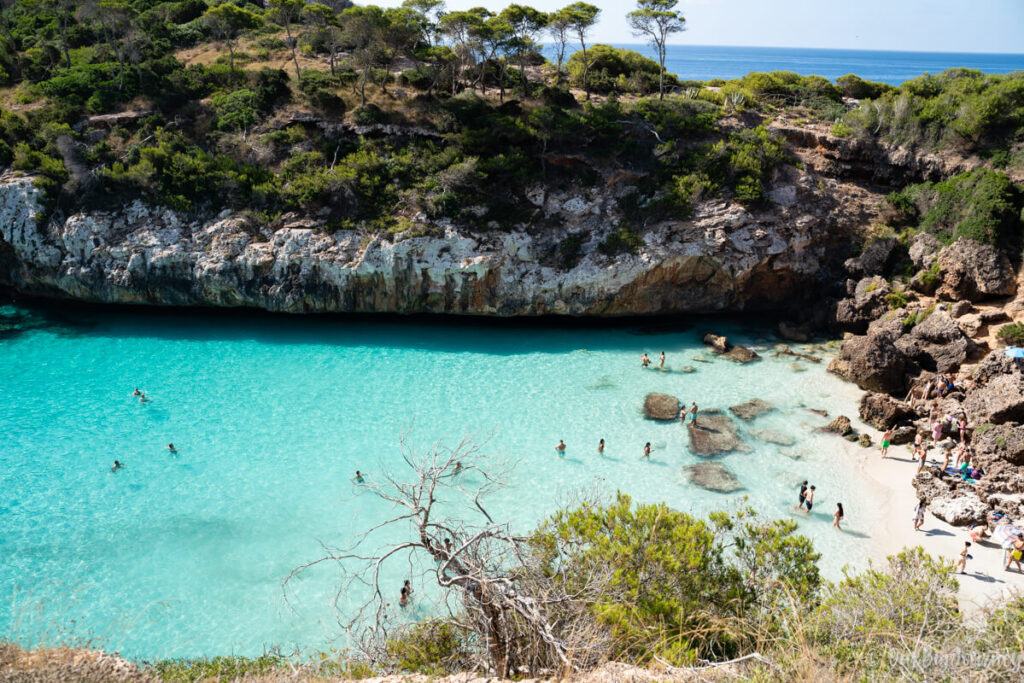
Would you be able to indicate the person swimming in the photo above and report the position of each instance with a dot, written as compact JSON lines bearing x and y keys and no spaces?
{"x":358,"y":479}
{"x":560,"y":448}
{"x":143,"y":398}
{"x":458,"y":466}
{"x":600,"y":446}
{"x":136,"y":392}
{"x":117,"y":465}
{"x":171,"y":448}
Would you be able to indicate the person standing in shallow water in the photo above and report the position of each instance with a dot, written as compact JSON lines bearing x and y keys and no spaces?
{"x":647,"y":450}
{"x":693,"y":411}
{"x":644,"y":360}
{"x":560,"y":448}
{"x":600,"y":446}
{"x":809,"y":499}
{"x":837,"y":516}
{"x":803,"y":494}
{"x":661,"y":360}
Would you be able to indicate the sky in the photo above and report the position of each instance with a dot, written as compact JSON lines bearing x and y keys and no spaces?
{"x":915,"y":25}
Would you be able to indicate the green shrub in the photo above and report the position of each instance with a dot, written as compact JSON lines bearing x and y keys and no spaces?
{"x":896,"y":299}
{"x":618,"y":70}
{"x":841,"y":130}
{"x":1012,"y":334}
{"x":857,"y":88}
{"x":236,"y":110}
{"x":218,"y":668}
{"x":625,"y":239}
{"x":432,"y":648}
{"x":369,"y":114}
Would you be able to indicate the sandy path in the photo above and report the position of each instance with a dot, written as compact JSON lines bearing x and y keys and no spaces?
{"x":985,"y":581}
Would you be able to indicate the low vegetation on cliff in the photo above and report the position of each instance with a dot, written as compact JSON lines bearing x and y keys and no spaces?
{"x":392,"y":118}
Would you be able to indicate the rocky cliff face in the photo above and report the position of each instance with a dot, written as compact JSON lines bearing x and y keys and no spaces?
{"x":727,"y":258}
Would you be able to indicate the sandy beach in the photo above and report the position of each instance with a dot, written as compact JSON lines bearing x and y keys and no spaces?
{"x":985,"y":582}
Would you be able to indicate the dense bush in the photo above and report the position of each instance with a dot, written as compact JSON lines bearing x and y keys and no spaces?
{"x":852,"y":85}
{"x":1012,"y":334}
{"x":982,"y":205}
{"x":614,"y":69}
{"x":959,"y":107}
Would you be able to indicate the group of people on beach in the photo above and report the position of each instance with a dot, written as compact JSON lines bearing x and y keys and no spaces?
{"x":952,"y":432}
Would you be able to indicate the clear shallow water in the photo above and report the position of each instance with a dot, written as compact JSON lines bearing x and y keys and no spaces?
{"x":704,"y":62}
{"x":184,"y":555}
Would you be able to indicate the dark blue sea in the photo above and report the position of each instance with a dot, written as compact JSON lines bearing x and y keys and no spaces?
{"x":704,"y":62}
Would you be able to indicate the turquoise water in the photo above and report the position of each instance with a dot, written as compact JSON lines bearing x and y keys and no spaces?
{"x":184,"y":555}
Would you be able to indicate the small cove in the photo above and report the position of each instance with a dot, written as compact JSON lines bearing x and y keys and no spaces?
{"x":183,"y":555}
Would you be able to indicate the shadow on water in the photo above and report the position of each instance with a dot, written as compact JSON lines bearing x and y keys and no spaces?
{"x":434,"y":332}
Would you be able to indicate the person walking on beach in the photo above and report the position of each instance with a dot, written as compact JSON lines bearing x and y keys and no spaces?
{"x":661,"y":361}
{"x":560,"y":448}
{"x":964,"y":556}
{"x":922,"y":455}
{"x":919,"y":514}
{"x":600,"y":446}
{"x":837,"y":516}
{"x":961,"y":426}
{"x":886,"y":440}
{"x":693,"y":411}
{"x":647,"y":450}
{"x":644,"y":360}
{"x":1015,"y":554}
{"x":809,"y":499}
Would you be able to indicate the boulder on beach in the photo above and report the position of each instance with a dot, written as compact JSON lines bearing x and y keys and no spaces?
{"x":999,"y":400}
{"x":840,"y":425}
{"x":722,"y":346}
{"x":882,"y":411}
{"x":965,"y":508}
{"x":713,"y":433}
{"x":751,"y":409}
{"x":872,"y":361}
{"x":713,"y":476}
{"x":772,"y":436}
{"x":973,"y":271}
{"x":661,"y":407}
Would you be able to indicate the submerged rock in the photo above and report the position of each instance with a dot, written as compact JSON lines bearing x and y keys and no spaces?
{"x":772,"y":436}
{"x":751,"y":409}
{"x":713,"y":433}
{"x":722,"y":346}
{"x":687,"y":369}
{"x":713,"y":476}
{"x":661,"y":407}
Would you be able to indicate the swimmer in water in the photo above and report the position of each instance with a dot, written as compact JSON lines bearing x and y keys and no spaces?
{"x":647,"y":449}
{"x":143,"y":398}
{"x":458,"y":466}
{"x":117,"y":465}
{"x":560,"y":448}
{"x":406,"y":593}
{"x":136,"y":392}
{"x":358,"y":479}
{"x":600,"y":446}
{"x":171,"y":448}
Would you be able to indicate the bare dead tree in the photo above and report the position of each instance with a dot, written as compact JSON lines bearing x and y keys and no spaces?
{"x":498,"y":586}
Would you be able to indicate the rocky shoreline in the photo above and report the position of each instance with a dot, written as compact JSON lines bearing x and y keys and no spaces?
{"x":948,"y":327}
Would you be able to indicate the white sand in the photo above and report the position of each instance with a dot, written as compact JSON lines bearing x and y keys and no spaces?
{"x":985,"y":582}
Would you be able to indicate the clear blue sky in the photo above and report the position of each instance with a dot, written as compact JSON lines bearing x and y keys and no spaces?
{"x":918,"y":25}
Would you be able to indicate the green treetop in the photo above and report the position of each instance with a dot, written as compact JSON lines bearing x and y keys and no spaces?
{"x":657,"y":20}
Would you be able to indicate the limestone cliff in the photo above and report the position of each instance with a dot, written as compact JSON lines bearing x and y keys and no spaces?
{"x":727,"y":258}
